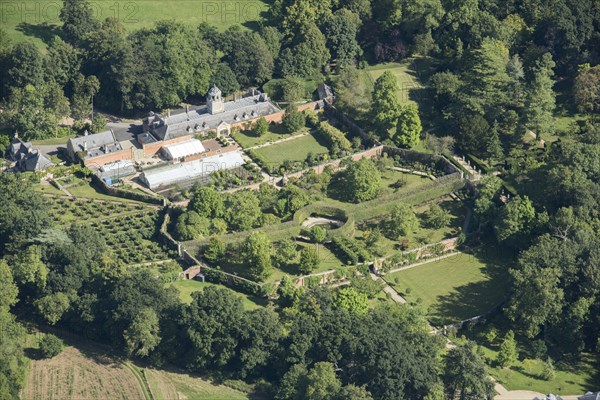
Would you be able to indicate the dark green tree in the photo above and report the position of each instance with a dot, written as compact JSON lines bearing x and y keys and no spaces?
{"x":207,"y":202}
{"x":242,"y":210}
{"x":50,"y":346}
{"x":465,"y":374}
{"x":408,"y":129}
{"x":385,"y":108}
{"x":77,"y":17}
{"x":341,"y":29}
{"x":508,"y":354}
{"x":293,"y":120}
{"x":541,"y":99}
{"x":309,"y":260}
{"x":362,"y":181}
{"x":257,"y":255}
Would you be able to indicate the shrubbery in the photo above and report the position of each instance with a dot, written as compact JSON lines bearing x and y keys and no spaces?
{"x":50,"y":346}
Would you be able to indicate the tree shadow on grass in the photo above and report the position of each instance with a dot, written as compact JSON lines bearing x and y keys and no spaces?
{"x":475,"y":298}
{"x":43,"y":31}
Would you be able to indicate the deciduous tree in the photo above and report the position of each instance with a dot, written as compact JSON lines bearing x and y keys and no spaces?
{"x":143,"y":334}
{"x":257,"y":254}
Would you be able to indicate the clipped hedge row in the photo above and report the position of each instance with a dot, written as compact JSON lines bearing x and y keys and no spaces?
{"x":349,"y":251}
{"x":479,"y":163}
{"x":334,"y":136}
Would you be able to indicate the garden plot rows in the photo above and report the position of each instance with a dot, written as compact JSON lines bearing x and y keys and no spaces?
{"x":65,"y":210}
{"x":128,"y":229}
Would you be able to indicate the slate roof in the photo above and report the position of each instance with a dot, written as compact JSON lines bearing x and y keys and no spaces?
{"x":199,"y":120}
{"x":18,"y":149}
{"x":590,"y":396}
{"x":96,"y":144}
{"x":34,"y":161}
{"x":324,"y":91}
{"x":93,"y":141}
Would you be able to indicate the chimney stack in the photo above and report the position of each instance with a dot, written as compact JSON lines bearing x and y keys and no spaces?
{"x":187,"y":108}
{"x":168,"y":113}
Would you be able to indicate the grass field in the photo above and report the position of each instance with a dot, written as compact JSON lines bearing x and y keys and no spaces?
{"x":454,"y":288}
{"x":39,"y":19}
{"x":187,"y":287}
{"x":293,"y":150}
{"x":391,"y":178}
{"x":82,"y":188}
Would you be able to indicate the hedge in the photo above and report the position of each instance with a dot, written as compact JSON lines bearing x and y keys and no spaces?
{"x":334,"y":136}
{"x":479,"y":163}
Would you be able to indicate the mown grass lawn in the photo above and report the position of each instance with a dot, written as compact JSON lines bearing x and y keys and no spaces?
{"x":82,"y":188}
{"x":393,"y":180}
{"x":49,"y":189}
{"x":293,"y":150}
{"x":327,"y":261}
{"x":574,"y":376}
{"x":455,"y":288}
{"x":247,"y":139}
{"x":29,"y":19}
{"x":187,"y":287}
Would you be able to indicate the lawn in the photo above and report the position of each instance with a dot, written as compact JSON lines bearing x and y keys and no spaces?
{"x":247,"y":139}
{"x":574,"y":376}
{"x":293,"y":150}
{"x":327,"y":261}
{"x":393,"y":180}
{"x":39,"y":20}
{"x":82,"y":188}
{"x":424,"y":234}
{"x":455,"y":288}
{"x":187,"y":287}
{"x":56,"y":141}
{"x":49,"y":189}
{"x":406,"y":77}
